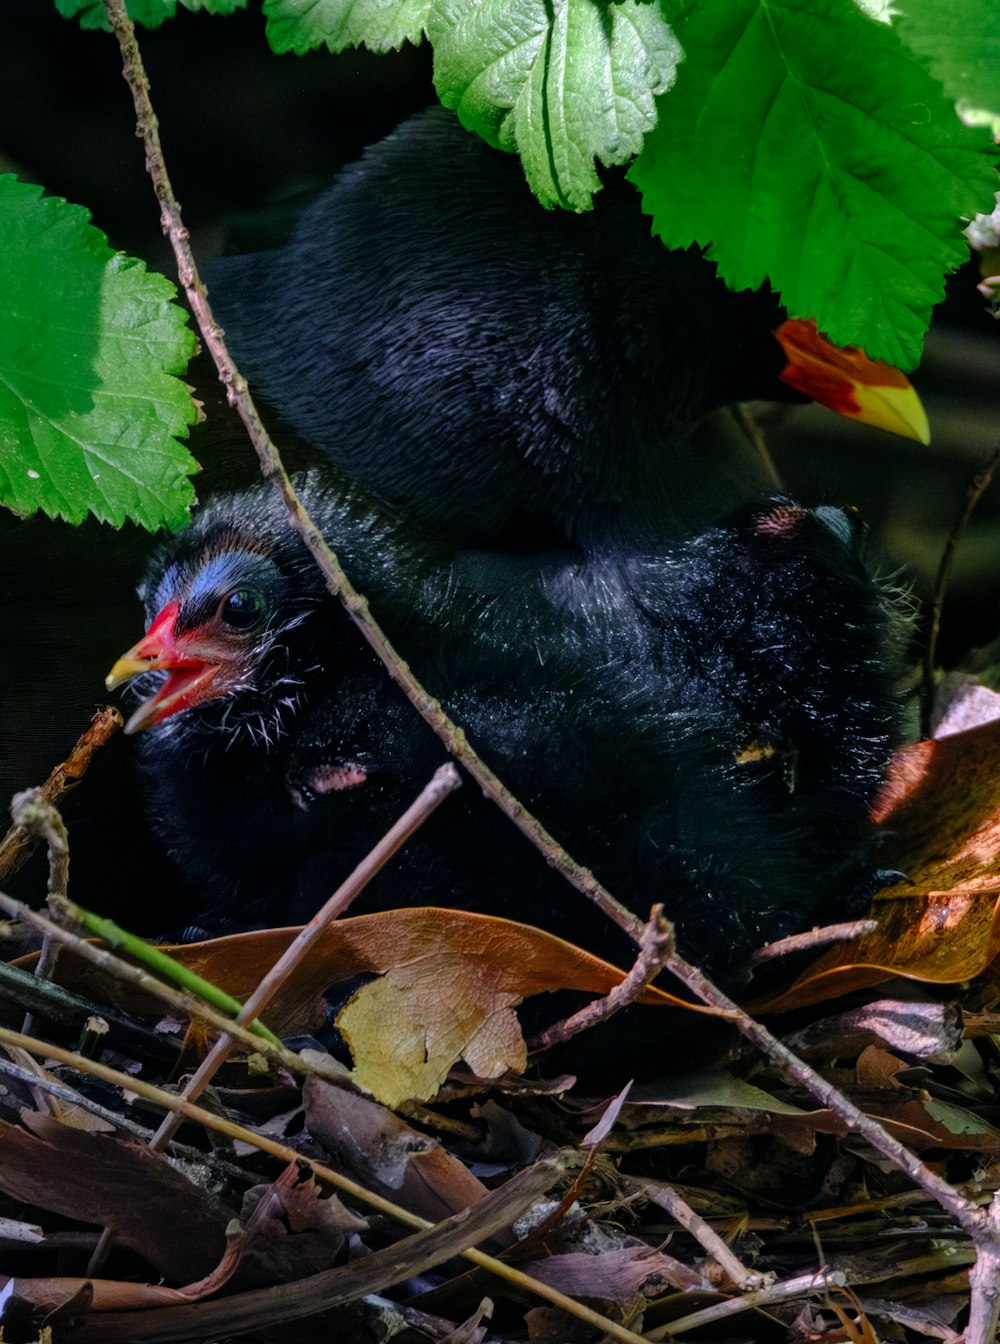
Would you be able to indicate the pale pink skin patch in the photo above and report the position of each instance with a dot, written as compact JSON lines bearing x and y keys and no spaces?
{"x":333,"y":778}
{"x":329,"y":779}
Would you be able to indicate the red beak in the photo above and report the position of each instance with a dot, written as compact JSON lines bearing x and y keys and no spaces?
{"x":848,"y":382}
{"x":159,"y":649}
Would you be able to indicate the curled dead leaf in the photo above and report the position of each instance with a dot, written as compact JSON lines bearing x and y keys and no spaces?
{"x":939,"y":814}
{"x":450,"y":980}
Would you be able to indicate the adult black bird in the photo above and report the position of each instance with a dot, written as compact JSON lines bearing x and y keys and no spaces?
{"x":703,"y":725}
{"x":494,"y":369}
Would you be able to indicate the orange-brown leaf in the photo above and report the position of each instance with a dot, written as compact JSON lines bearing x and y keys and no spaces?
{"x":939,"y":813}
{"x":518,"y":959}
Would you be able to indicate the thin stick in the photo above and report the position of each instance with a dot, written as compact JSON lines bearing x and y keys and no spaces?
{"x":748,"y":423}
{"x":973,"y":495}
{"x":17,"y":845}
{"x":667,"y":1198}
{"x":813,"y":939}
{"x":181,"y":1002}
{"x":982,"y":1226}
{"x":35,"y":816}
{"x":273,"y":470}
{"x":655,"y":947}
{"x":803,"y":1286}
{"x":445,"y":780}
{"x":167,"y":1101}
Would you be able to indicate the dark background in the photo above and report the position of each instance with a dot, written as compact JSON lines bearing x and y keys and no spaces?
{"x":241,"y":128}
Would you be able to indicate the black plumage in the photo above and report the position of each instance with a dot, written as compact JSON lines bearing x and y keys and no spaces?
{"x":702,"y":725}
{"x":492,"y":368}
{"x":696,"y":700}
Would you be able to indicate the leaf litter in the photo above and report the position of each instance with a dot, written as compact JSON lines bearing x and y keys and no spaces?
{"x":725,"y":1200}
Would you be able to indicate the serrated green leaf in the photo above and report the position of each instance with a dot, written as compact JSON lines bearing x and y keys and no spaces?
{"x":961,"y":43}
{"x":380,"y":25}
{"x":213,"y":6}
{"x":148,"y":13}
{"x":564,"y":83}
{"x":806,"y":145}
{"x":89,"y":341}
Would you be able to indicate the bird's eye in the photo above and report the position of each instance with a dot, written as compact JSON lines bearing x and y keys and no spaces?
{"x":242,"y":608}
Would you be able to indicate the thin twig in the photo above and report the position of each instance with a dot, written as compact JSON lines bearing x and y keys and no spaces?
{"x":167,"y":1101}
{"x":984,"y":1282}
{"x":182,"y":1003}
{"x":160,"y":962}
{"x":982,"y":1226}
{"x":813,"y":939}
{"x":747,"y":422}
{"x":17,"y":845}
{"x":36,"y":816}
{"x":707,"y":1237}
{"x":973,"y":495}
{"x":804,"y":1286}
{"x":43,"y":1083}
{"x":274,"y":471}
{"x":444,"y":782}
{"x":655,"y":947}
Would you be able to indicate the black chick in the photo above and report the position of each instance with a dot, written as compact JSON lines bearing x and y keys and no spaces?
{"x":496,"y":370}
{"x":704,"y":725}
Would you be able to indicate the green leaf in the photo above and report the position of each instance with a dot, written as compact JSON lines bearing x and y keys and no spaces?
{"x":381,"y":25}
{"x":961,"y":43}
{"x":149,"y":13}
{"x":843,"y":181}
{"x":92,"y":14}
{"x":564,"y":82}
{"x":89,"y":340}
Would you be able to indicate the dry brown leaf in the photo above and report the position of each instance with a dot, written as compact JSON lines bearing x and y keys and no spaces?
{"x":77,"y":1117}
{"x":176,"y":1226}
{"x":619,"y":1275}
{"x":52,"y":1294}
{"x":513,"y":958}
{"x":939,"y":812}
{"x":924,"y":1030}
{"x":450,"y":980}
{"x":386,"y":1154}
{"x":471,"y":1331}
{"x":612,"y":1112}
{"x":301,"y":1205}
{"x":407,"y":1028}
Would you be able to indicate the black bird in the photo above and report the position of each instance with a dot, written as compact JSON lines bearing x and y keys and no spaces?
{"x":496,"y":370}
{"x":700,"y":716}
{"x":704,"y":724}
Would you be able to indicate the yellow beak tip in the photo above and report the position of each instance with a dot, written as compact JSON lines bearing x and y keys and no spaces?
{"x":126,"y":668}
{"x":896,"y":409}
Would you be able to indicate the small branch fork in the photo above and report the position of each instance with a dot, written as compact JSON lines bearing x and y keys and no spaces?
{"x":444,"y":782}
{"x":982,"y":1227}
{"x":655,"y":948}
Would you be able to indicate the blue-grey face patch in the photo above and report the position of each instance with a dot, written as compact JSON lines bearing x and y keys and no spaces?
{"x":218,"y":576}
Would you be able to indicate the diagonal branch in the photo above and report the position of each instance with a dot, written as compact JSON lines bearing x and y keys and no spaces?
{"x":273,"y":470}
